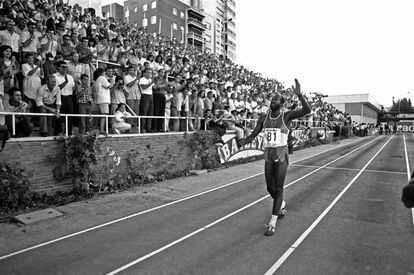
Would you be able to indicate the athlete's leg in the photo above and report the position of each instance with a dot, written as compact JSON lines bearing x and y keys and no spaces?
{"x":269,"y":177}
{"x":275,"y":174}
{"x":279,"y":177}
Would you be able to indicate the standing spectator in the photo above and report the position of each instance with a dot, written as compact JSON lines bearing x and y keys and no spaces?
{"x":168,"y":105}
{"x":10,"y":37}
{"x":32,"y":79}
{"x":66,"y":86}
{"x":147,"y":103}
{"x":9,"y":66}
{"x":134,"y":91}
{"x":103,"y":94}
{"x":76,"y":69}
{"x":113,"y":51}
{"x":15,"y":104}
{"x":85,"y":54}
{"x":48,"y":101}
{"x":30,"y":40}
{"x":83,"y":95}
{"x":159,"y":90}
{"x":49,"y":43}
{"x":48,"y":66}
{"x":103,"y":51}
{"x":118,"y":94}
{"x":66,"y":49}
{"x":208,"y":101}
{"x":182,"y":104}
{"x":74,"y":40}
{"x":199,"y":110}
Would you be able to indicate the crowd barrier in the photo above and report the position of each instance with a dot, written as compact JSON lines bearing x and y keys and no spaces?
{"x":186,"y":126}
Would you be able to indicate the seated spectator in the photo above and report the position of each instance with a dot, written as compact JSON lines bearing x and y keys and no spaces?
{"x":119,"y":125}
{"x":214,"y":121}
{"x":15,"y":104}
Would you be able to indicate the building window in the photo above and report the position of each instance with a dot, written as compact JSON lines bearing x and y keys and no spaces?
{"x":174,"y":25}
{"x":153,"y":19}
{"x":145,"y":7}
{"x":182,"y":15}
{"x":136,"y":9}
{"x":144,"y":22}
{"x":175,"y":12}
{"x":153,"y":4}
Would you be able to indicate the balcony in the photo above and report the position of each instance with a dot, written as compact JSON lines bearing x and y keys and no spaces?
{"x":195,"y":36}
{"x":197,"y":24}
{"x":193,"y":13}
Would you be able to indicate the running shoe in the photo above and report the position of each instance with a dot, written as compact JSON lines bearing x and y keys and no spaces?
{"x":282,"y":211}
{"x":270,"y":230}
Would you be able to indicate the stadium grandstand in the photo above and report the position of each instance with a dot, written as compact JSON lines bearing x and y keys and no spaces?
{"x":66,"y":70}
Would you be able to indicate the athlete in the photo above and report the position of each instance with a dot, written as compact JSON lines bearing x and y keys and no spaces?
{"x":275,"y":128}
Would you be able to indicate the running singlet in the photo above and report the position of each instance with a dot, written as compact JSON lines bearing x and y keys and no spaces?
{"x":275,"y":136}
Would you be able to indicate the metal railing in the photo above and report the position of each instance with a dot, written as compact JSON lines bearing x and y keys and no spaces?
{"x":188,"y":120}
{"x":186,"y":126}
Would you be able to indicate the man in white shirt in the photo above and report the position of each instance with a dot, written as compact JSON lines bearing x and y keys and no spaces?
{"x":10,"y":37}
{"x":147,"y":102}
{"x":30,"y":40}
{"x":103,"y":51}
{"x":66,"y":85}
{"x":183,"y":107}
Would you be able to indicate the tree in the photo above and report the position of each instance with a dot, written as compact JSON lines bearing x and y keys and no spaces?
{"x":402,"y":105}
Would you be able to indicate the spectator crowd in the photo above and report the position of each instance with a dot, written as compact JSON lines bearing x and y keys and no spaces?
{"x":48,"y":64}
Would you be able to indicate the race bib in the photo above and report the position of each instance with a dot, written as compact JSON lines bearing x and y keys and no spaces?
{"x":273,"y":137}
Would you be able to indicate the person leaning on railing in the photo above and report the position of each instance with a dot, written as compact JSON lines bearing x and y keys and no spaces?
{"x":15,"y":104}
{"x":48,"y":101}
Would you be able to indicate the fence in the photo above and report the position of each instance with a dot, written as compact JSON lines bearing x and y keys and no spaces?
{"x":183,"y":126}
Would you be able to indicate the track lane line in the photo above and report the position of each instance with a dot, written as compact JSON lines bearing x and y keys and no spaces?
{"x":156,"y":208}
{"x":116,"y":271}
{"x":350,"y":169}
{"x":292,"y":248}
{"x":407,"y":162}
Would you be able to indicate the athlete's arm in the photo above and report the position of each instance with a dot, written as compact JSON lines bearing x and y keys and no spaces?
{"x":256,"y":131}
{"x":305,"y":109}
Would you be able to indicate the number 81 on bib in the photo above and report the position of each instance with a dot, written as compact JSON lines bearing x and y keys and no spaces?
{"x":273,"y":137}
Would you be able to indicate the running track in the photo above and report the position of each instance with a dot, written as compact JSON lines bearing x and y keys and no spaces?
{"x":344,"y":217}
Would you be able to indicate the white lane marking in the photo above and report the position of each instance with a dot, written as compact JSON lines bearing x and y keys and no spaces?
{"x":351,"y":169}
{"x":408,"y":171}
{"x":155,"y":208}
{"x":292,"y":248}
{"x":223,"y":218}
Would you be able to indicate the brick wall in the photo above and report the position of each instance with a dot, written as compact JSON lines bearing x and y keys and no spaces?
{"x":46,"y":158}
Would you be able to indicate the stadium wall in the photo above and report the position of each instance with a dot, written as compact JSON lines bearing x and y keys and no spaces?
{"x":46,"y":158}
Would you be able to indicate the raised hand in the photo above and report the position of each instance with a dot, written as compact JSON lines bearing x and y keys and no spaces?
{"x":296,"y":88}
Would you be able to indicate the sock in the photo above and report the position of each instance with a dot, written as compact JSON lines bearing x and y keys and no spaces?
{"x":273,"y":220}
